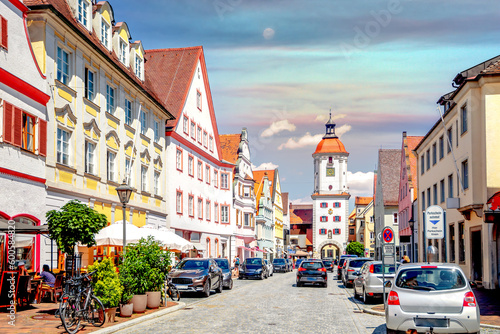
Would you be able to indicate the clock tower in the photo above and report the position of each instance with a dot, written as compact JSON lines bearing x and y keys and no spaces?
{"x":330,"y":196}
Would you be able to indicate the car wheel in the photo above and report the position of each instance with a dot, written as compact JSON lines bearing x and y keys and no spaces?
{"x":299,"y":284}
{"x":261,"y":276}
{"x":325,"y":285}
{"x":366,"y":298}
{"x":356,"y":296}
{"x":206,"y":289}
{"x":230,"y":285}
{"x":391,"y":331}
{"x":221,"y":285}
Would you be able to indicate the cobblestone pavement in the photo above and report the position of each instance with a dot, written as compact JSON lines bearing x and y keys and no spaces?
{"x":274,"y":305}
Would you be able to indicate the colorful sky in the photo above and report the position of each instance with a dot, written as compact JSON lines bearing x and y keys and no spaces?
{"x":278,"y":66}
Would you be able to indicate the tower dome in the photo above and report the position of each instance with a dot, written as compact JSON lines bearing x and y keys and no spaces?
{"x":330,"y":142}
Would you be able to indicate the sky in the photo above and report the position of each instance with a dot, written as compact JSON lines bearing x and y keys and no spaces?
{"x":277,"y":67}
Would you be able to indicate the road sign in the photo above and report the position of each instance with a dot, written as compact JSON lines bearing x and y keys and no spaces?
{"x":434,"y":222}
{"x":389,"y":260}
{"x":389,"y":249}
{"x":387,"y":235}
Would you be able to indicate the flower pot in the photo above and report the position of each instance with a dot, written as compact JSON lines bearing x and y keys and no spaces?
{"x":110,"y":314}
{"x":154,"y":299}
{"x":126,"y":310}
{"x":140,"y":302}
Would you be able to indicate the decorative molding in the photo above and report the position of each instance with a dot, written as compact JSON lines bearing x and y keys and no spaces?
{"x":66,"y":111}
{"x":113,"y":134}
{"x":92,"y":125}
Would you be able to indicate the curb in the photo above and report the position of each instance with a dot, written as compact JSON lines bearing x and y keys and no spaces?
{"x":373,"y":312}
{"x":132,"y":322}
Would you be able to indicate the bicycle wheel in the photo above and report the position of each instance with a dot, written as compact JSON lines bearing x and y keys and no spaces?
{"x":174,"y":294}
{"x":68,"y":311}
{"x":95,"y":312}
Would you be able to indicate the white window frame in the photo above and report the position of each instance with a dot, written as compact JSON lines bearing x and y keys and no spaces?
{"x":224,"y":214}
{"x":63,"y":65}
{"x":105,"y":27}
{"x":90,"y":157}
{"x":178,"y":159}
{"x":122,"y":45}
{"x":193,"y":130}
{"x":138,"y":66}
{"x":128,"y":112}
{"x":211,"y":143}
{"x":127,"y":168}
{"x":63,"y":145}
{"x":200,"y":208}
{"x":207,"y":173}
{"x":207,"y":210}
{"x":191,"y":206}
{"x":144,"y":178}
{"x":178,"y":197}
{"x":156,"y":131}
{"x":83,"y":12}
{"x":156,"y":182}
{"x":246,"y":219}
{"x":200,"y":170}
{"x":198,"y":100}
{"x":110,"y":99}
{"x":216,"y":178}
{"x":190,"y":165}
{"x":144,"y":122}
{"x":89,"y":84}
{"x":111,"y":166}
{"x":224,"y":181}
{"x":185,"y":125}
{"x":216,"y":212}
{"x":198,"y":134}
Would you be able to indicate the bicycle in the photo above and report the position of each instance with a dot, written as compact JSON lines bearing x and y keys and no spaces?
{"x":170,"y":290}
{"x":79,"y":303}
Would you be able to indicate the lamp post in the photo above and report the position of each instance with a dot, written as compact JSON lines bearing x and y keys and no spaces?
{"x":124,"y":191}
{"x":411,"y":222}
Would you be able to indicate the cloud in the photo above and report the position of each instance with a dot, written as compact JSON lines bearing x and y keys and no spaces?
{"x":324,"y":118}
{"x":360,"y":183}
{"x":277,"y":127}
{"x":304,"y":200}
{"x":268,"y":33}
{"x":265,"y":165}
{"x":342,"y":130}
{"x":306,"y":140}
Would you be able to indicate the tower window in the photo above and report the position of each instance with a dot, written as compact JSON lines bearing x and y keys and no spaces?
{"x":330,"y":160}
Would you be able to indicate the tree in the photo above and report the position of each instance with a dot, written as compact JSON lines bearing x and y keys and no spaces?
{"x":74,"y":223}
{"x":355,"y":248}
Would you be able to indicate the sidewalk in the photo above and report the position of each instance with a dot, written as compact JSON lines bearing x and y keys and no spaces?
{"x":489,"y":307}
{"x":40,"y":318}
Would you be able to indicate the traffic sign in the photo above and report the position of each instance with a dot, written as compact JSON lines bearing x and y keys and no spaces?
{"x":387,"y":235}
{"x":434,"y":222}
{"x":389,"y":249}
{"x":389,"y":260}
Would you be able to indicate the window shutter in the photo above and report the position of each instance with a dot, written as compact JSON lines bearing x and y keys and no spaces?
{"x":17,"y":129}
{"x":8,"y":109}
{"x":4,"y":33}
{"x":42,"y":130}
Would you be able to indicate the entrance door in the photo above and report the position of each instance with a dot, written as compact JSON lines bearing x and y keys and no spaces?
{"x":477,"y":259}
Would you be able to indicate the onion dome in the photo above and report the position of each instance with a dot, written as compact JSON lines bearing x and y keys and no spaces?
{"x":330,"y":142}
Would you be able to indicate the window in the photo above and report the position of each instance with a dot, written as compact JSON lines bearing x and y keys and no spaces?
{"x":246,"y":192}
{"x":465,"y":174}
{"x":337,"y":231}
{"x":336,"y":218}
{"x":216,"y":212}
{"x":157,"y":183}
{"x":463,"y":115}
{"x":461,"y":242}
{"x":178,"y":202}
{"x":62,"y":146}
{"x":200,"y":208}
{"x":127,"y":169}
{"x":123,"y":51}
{"x":323,"y":205}
{"x":323,"y":219}
{"x":207,"y":210}
{"x":451,"y":241}
{"x":144,"y":122}
{"x":428,"y":158}
{"x":434,"y":154}
{"x":4,"y":32}
{"x":110,"y":99}
{"x":247,"y":218}
{"x":195,"y":237}
{"x":89,"y":84}
{"x":336,"y":205}
{"x":191,"y":206}
{"x":330,"y":160}
{"x":144,"y":178}
{"x":450,"y":185}
{"x":442,"y":190}
{"x":322,"y":231}
{"x":450,"y":139}
{"x":351,"y":231}
{"x":423,"y":200}
{"x":224,"y":181}
{"x":62,"y":66}
{"x":105,"y":33}
{"x":211,"y":143}
{"x":178,"y":160}
{"x":441,"y":147}
{"x":89,"y":158}
{"x":205,"y":141}
{"x":435,"y":191}
{"x":28,"y":132}
{"x":216,"y":178}
{"x":190,"y":165}
{"x":200,"y":171}
{"x":428,"y":197}
{"x":128,"y":112}
{"x":193,"y":130}
{"x":138,"y":67}
{"x":224,"y":214}
{"x":185,"y":125}
{"x":395,"y":218}
{"x":198,"y":99}
{"x":199,"y":135}
{"x":207,"y":174}
{"x":83,"y":10}
{"x":111,"y":166}
{"x":157,"y":130}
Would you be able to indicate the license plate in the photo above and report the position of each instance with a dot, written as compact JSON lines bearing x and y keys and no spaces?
{"x":181,"y":286}
{"x":311,"y":278}
{"x":431,"y":322}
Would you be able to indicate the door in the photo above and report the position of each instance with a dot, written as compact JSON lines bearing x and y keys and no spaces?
{"x":477,"y":259}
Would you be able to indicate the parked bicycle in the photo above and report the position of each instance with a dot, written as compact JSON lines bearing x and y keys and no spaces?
{"x":78,"y":303}
{"x":170,"y":290}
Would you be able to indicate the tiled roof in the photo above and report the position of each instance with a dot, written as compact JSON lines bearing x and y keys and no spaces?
{"x":413,"y":141}
{"x":284,"y":197}
{"x":294,"y":219}
{"x":304,"y":212}
{"x":330,"y":145}
{"x":308,"y":242}
{"x":362,"y":200}
{"x":258,"y":176}
{"x":493,"y":68}
{"x":229,"y":145}
{"x":389,"y":167}
{"x":62,"y":7}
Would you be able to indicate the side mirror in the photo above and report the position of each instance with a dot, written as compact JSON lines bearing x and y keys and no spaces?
{"x":388,"y":284}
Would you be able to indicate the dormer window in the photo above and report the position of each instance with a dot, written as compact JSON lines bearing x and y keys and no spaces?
{"x":123,"y":52}
{"x":138,"y":67}
{"x":105,"y":33}
{"x":83,"y":12}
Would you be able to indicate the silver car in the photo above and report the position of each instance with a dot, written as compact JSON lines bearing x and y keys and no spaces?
{"x":368,"y":283}
{"x":270,"y":268}
{"x":432,"y":297}
{"x":352,"y":265}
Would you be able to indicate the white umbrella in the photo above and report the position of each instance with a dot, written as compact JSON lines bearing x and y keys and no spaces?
{"x":167,"y":238}
{"x":112,"y":235}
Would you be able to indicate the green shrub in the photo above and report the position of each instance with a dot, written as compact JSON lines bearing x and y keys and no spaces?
{"x":106,"y":283}
{"x":355,"y":248}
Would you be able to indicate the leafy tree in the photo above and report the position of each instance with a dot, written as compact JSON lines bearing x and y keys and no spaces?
{"x":75,"y":222}
{"x":355,"y":248}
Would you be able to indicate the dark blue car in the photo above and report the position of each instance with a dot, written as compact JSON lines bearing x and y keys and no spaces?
{"x":253,"y":267}
{"x":280,"y":265}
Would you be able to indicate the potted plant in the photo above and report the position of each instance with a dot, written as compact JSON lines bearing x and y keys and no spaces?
{"x":107,"y":286}
{"x":126,"y":306}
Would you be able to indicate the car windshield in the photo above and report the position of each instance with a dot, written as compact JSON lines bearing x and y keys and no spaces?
{"x":223,"y":264}
{"x":254,"y":261}
{"x":433,"y":278}
{"x":341,"y":262}
{"x":377,"y":269}
{"x":312,"y":265}
{"x":279,"y":261}
{"x":192,"y":264}
{"x":357,"y":263}
{"x":327,"y":263}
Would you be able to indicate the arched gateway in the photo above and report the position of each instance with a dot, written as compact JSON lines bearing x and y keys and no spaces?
{"x":336,"y":253}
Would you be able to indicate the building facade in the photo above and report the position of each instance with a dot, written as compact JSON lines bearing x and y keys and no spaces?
{"x":265,"y":214}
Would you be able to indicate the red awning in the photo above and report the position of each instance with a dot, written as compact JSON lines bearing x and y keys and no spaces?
{"x":245,"y":248}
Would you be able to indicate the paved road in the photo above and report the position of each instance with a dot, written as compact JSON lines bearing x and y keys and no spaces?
{"x":274,"y":305}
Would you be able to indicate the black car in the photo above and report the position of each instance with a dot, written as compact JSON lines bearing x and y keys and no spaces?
{"x":226,"y":272}
{"x":197,"y":275}
{"x":328,"y":264}
{"x":253,"y":267}
{"x":280,"y":265}
{"x":312,"y":271}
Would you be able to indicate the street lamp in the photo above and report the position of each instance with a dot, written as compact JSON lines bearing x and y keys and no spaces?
{"x":411,"y":222}
{"x":124,"y":191}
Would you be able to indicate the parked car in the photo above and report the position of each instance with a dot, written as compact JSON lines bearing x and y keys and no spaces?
{"x":312,"y":271}
{"x":270,"y":268}
{"x":351,"y":266}
{"x":289,"y":264}
{"x":328,"y":264}
{"x":298,"y":262}
{"x":197,"y":275}
{"x":280,"y":265}
{"x":431,"y":297}
{"x":368,"y":283}
{"x":253,"y":267}
{"x":341,"y":264}
{"x":227,"y":276}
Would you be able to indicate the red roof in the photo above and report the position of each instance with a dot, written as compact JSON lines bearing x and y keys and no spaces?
{"x":362,"y":200}
{"x":330,"y":145}
{"x":229,"y":145}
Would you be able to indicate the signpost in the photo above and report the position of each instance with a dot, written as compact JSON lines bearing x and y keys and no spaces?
{"x":388,"y":253}
{"x":434,"y":220}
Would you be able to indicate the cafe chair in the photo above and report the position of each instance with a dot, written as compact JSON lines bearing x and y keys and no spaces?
{"x":23,"y":290}
{"x":55,"y":291}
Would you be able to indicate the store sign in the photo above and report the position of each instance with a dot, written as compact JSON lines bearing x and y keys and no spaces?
{"x":434,"y":222}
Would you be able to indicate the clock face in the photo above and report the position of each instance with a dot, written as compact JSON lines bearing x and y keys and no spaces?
{"x":330,"y":172}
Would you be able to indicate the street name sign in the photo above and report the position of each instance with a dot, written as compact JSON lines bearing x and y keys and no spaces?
{"x":434,"y":222}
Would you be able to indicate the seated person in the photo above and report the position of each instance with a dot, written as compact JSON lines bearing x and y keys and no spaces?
{"x":48,"y":278}
{"x":410,"y":280}
{"x":22,"y":269}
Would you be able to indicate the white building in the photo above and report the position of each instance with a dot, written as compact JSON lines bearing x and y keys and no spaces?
{"x":200,"y":192}
{"x":330,"y":197}
{"x":23,"y":132}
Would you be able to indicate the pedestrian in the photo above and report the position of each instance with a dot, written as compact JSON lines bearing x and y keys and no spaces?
{"x":236,"y":262}
{"x":406,"y":259}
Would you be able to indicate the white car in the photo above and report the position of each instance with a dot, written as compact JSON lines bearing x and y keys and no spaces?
{"x":270,"y":268}
{"x":431,"y":297}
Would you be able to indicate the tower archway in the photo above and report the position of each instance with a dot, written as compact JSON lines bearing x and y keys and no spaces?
{"x":331,"y":249}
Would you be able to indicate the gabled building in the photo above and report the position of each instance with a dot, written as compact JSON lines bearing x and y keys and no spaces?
{"x":301,"y":232}
{"x":23,"y":135}
{"x":199,"y":198}
{"x":235,"y":150}
{"x":265,"y":214}
{"x":286,"y":223}
{"x":368,"y":229}
{"x":360,"y":204}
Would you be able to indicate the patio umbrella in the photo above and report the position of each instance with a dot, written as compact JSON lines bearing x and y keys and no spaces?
{"x":112,"y":235}
{"x":167,"y":238}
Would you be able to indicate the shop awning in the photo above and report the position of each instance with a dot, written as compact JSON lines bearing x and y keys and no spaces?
{"x":198,"y":246}
{"x":269,"y":250}
{"x":245,"y":248}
